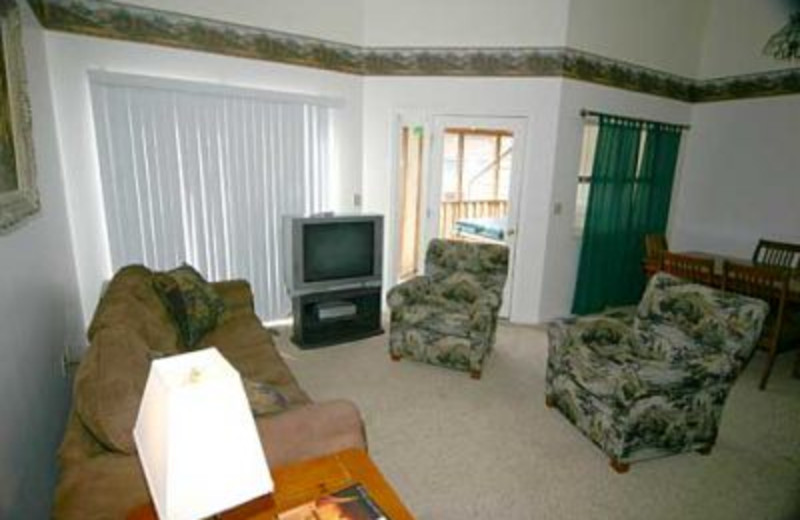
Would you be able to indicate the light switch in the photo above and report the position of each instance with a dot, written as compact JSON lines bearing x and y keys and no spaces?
{"x":357,"y":200}
{"x":557,"y":208}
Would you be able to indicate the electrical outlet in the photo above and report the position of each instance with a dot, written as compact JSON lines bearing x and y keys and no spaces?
{"x":68,"y":363}
{"x":65,"y":362}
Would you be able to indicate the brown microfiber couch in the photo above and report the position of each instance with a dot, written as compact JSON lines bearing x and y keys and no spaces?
{"x":100,"y":475}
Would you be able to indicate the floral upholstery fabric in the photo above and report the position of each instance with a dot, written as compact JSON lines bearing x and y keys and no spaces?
{"x":449,"y":316}
{"x":653,"y":381}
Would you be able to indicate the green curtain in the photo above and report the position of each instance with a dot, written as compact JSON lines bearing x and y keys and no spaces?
{"x":608,"y":212}
{"x":656,"y":175}
{"x":623,"y":206}
{"x":653,"y":189}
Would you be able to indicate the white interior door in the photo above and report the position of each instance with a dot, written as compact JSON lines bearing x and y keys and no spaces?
{"x":410,"y":162}
{"x":471,"y":189}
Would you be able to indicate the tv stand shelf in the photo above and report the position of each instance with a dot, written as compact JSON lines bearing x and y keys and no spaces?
{"x":336,"y":316}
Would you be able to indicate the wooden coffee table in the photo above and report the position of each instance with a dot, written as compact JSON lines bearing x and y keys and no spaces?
{"x":303,"y":482}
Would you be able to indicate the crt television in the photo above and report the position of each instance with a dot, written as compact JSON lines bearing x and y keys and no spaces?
{"x":332,"y":252}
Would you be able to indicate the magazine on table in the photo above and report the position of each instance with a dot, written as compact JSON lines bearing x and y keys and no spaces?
{"x":351,"y":503}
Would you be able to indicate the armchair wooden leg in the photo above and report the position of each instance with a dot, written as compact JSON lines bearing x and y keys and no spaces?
{"x":620,"y":467}
{"x":395,"y":357}
{"x":767,"y":370}
{"x":706,"y":450}
{"x":549,"y":401}
{"x":475,"y":374}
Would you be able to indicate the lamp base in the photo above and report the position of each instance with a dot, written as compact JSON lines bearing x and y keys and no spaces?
{"x":247,"y":510}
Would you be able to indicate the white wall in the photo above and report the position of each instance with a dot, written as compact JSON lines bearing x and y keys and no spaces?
{"x":71,"y":57}
{"x":736,"y":33}
{"x":339,"y":20}
{"x":653,"y":33}
{"x":38,"y":304}
{"x":562,"y":249}
{"x":535,"y":99}
{"x":454,"y":23}
{"x":741,"y":176}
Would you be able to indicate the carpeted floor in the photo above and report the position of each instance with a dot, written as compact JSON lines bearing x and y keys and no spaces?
{"x":455,"y":448}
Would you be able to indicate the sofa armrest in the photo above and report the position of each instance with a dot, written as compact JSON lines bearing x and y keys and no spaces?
{"x":78,"y":444}
{"x":311,"y":431}
{"x":409,"y":292}
{"x":604,"y":339}
{"x":488,"y":300}
{"x":236,"y":294}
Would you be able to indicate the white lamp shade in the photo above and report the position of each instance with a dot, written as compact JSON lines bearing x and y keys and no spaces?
{"x":196,"y":438}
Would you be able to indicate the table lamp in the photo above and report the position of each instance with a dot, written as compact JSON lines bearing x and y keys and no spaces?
{"x":196,"y":438}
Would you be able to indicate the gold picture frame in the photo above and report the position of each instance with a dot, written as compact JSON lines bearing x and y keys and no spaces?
{"x":19,"y":196}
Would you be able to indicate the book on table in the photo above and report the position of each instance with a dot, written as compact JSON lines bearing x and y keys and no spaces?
{"x":351,"y":503}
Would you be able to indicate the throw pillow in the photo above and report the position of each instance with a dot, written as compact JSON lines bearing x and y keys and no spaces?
{"x":192,"y":302}
{"x":264,"y":398}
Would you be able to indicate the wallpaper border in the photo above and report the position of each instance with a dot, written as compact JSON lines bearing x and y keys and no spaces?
{"x":108,"y":19}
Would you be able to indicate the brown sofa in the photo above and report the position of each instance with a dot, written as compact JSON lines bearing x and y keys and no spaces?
{"x":100,"y":475}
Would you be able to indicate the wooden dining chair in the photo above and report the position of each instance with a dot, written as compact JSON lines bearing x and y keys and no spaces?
{"x":696,"y":269}
{"x":654,"y":247}
{"x":779,"y":254}
{"x":796,"y":371}
{"x":655,"y":244}
{"x":767,"y":283}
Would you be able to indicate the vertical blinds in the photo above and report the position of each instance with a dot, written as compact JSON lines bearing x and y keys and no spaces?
{"x":203,"y":175}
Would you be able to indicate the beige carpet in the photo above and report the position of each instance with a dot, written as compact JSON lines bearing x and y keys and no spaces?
{"x":455,"y":448}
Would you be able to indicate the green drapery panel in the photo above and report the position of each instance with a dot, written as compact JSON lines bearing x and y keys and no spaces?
{"x":607,"y":216}
{"x":654,"y":189}
{"x":626,"y":201}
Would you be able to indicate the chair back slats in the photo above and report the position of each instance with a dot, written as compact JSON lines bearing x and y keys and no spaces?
{"x":779,"y":254}
{"x":768,"y":283}
{"x":760,"y":281}
{"x":688,"y":267}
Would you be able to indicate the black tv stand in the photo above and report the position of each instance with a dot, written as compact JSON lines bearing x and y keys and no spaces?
{"x":337,"y":316}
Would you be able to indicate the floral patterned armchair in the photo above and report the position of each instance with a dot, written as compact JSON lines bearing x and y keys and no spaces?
{"x":653,"y":382}
{"x":449,"y":316}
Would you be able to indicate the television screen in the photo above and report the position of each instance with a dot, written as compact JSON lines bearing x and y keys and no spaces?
{"x":334,"y":250}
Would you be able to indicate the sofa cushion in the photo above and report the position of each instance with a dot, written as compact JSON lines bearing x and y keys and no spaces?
{"x":264,"y":398}
{"x":249,"y":347}
{"x":192,"y":302}
{"x":460,"y":288}
{"x":105,"y":487}
{"x":109,"y":386}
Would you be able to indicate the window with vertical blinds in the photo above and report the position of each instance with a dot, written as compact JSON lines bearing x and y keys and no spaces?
{"x":202,"y":174}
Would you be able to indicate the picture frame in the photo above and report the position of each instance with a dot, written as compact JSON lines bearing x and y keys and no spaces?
{"x":19,"y":195}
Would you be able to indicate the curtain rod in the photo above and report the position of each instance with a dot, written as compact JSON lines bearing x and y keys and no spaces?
{"x":591,"y":113}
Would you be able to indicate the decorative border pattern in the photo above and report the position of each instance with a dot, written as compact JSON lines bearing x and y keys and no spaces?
{"x":108,"y":19}
{"x":498,"y":62}
{"x":584,"y":66}
{"x":765,"y":84}
{"x":140,"y":24}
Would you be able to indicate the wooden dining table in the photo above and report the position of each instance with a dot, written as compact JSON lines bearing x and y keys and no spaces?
{"x":793,"y":296}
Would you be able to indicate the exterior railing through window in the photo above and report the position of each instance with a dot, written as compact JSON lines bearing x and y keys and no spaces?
{"x":451,"y":211}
